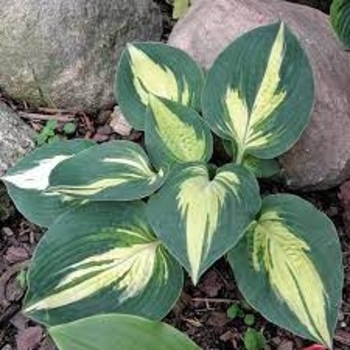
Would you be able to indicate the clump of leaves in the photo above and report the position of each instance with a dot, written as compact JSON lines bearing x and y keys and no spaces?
{"x":49,"y":134}
{"x":123,"y":223}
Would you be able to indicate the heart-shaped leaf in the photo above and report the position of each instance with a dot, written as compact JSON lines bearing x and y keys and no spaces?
{"x":160,"y":70}
{"x":200,"y":219}
{"x":101,"y":258}
{"x":117,"y":170}
{"x":260,"y":92}
{"x":27,"y":181}
{"x":340,"y":19}
{"x":124,"y":332}
{"x":176,"y":134}
{"x":289,"y":267}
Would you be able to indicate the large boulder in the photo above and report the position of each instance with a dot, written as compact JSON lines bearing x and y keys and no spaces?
{"x":16,"y":138}
{"x":63,"y":53}
{"x":321,"y":159}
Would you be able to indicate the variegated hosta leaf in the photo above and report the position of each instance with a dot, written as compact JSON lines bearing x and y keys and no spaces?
{"x":160,"y":70}
{"x":124,"y":332}
{"x":261,"y":168}
{"x":200,"y":219}
{"x":27,"y":181}
{"x":289,"y":267}
{"x":117,"y":170}
{"x":340,"y":19}
{"x":176,"y":134}
{"x":101,"y":258}
{"x":260,"y":92}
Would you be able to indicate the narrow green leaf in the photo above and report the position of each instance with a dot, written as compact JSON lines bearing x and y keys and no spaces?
{"x":160,"y":70}
{"x":340,"y":19}
{"x":200,"y":219}
{"x":113,"y":171}
{"x":289,"y":267}
{"x":101,"y":258}
{"x":176,"y":134}
{"x":27,"y":181}
{"x":259,"y":92}
{"x":107,"y":332}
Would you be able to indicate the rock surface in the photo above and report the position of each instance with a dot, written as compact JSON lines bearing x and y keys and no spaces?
{"x":321,"y":159}
{"x":64,"y":53}
{"x":16,"y":138}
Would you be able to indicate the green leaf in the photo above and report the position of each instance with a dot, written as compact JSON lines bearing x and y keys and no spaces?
{"x":259,"y":92}
{"x":117,"y":170}
{"x":289,"y":267}
{"x":107,"y":332}
{"x":340,"y":19}
{"x":27,"y":181}
{"x":160,"y":70}
{"x":262,"y":168}
{"x":176,"y":134}
{"x":101,"y":258}
{"x":249,"y":319}
{"x":233,"y":311}
{"x":69,"y":128}
{"x":200,"y":219}
{"x":254,"y":340}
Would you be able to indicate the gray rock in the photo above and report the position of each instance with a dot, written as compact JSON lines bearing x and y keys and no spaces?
{"x":16,"y":138}
{"x":321,"y":159}
{"x":64,"y":53}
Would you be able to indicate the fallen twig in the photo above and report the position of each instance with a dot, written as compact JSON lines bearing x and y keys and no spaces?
{"x":213,"y":300}
{"x":37,"y":116}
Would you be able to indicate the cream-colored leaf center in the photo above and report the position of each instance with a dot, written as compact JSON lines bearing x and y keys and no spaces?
{"x":179,"y":137}
{"x":246,"y":126}
{"x":150,"y":77}
{"x":292,"y":273}
{"x":129,"y":269}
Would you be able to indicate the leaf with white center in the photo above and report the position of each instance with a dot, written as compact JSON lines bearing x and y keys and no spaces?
{"x":117,"y":170}
{"x":289,"y":267}
{"x":124,"y":332}
{"x":259,"y":92}
{"x":340,"y":19}
{"x":200,"y":219}
{"x":157,"y":69}
{"x":100,"y":258}
{"x":176,"y":134}
{"x":27,"y":181}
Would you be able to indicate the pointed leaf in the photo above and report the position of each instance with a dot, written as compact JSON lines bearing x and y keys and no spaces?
{"x":340,"y":19}
{"x":199,"y":219}
{"x":289,"y":267}
{"x":176,"y":134}
{"x":107,"y":332}
{"x":117,"y":170}
{"x":27,"y":181}
{"x":260,"y":92}
{"x":158,"y":69}
{"x":100,"y":258}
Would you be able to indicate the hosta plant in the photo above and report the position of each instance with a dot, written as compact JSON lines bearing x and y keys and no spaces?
{"x":123,"y":222}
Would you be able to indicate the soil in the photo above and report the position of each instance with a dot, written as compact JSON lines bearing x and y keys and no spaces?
{"x":201,"y":311}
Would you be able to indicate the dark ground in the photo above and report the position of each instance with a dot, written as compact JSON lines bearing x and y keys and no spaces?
{"x":201,"y":311}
